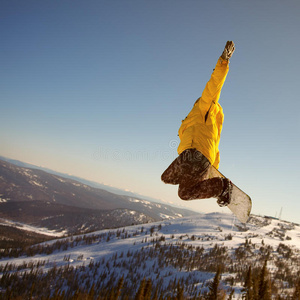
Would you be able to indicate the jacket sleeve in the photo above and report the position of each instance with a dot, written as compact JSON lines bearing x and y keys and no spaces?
{"x":212,"y":91}
{"x":217,"y":161}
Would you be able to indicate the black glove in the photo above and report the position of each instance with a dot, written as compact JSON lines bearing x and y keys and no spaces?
{"x":228,"y":50}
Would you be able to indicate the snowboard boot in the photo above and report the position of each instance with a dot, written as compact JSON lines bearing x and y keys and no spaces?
{"x":189,"y":164}
{"x":228,"y":50}
{"x":225,"y":196}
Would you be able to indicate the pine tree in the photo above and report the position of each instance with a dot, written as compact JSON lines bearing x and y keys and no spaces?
{"x":112,"y":295}
{"x":92,"y":292}
{"x":268,"y":289}
{"x":214,"y":286}
{"x":148,"y":290}
{"x":296,"y":295}
{"x":255,"y":282}
{"x":32,"y":290}
{"x":179,"y":295}
{"x":248,"y":286}
{"x":264,"y":285}
{"x":231,"y":295}
{"x":119,"y":287}
{"x":155,"y":297}
{"x":140,"y":293}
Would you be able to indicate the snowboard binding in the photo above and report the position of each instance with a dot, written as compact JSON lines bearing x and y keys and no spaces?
{"x":225,"y":197}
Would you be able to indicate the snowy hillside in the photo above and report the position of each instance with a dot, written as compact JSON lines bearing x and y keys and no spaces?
{"x":185,"y":251}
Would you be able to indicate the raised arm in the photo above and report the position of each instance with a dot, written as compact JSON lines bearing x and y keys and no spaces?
{"x":212,"y":91}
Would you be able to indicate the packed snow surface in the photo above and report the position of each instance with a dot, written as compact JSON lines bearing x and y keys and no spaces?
{"x":211,"y":228}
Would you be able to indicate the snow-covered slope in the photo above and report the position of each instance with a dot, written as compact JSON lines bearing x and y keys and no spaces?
{"x":187,"y":250}
{"x":26,"y":227}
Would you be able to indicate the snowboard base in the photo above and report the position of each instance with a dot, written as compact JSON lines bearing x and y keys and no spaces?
{"x":240,"y":203}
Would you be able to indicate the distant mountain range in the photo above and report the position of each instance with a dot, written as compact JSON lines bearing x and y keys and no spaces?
{"x":36,"y":197}
{"x":91,"y":183}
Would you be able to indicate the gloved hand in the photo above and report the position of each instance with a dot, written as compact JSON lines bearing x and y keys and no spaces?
{"x":228,"y":50}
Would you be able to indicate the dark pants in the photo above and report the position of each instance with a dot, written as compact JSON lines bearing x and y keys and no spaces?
{"x":190,"y":170}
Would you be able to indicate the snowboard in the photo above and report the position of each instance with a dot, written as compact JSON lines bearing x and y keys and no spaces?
{"x":240,"y":203}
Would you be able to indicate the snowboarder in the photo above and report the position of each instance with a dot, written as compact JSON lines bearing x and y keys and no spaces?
{"x":199,"y":136}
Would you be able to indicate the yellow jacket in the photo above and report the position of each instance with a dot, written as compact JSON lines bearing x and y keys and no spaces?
{"x":201,"y":129}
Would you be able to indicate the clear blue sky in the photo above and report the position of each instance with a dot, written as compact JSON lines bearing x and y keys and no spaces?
{"x":98,"y":89}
